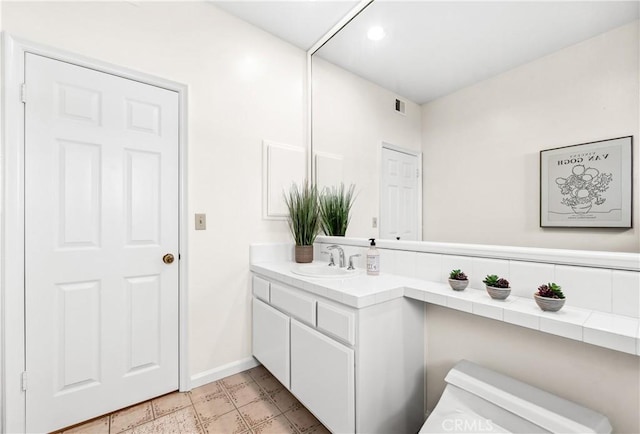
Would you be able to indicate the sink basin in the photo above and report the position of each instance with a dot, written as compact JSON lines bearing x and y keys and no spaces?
{"x":322,"y":270}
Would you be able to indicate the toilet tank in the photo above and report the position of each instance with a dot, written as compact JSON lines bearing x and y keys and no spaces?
{"x":541,"y":408}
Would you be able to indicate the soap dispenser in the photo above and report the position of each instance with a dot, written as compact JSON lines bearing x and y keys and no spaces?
{"x":373,"y":259}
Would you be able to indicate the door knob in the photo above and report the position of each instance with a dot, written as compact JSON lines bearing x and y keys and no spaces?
{"x":168,"y":258}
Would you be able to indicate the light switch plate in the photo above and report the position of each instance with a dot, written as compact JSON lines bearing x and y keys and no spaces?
{"x":201,"y":222}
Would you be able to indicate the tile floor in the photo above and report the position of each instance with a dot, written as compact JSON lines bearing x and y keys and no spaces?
{"x":252,"y":401}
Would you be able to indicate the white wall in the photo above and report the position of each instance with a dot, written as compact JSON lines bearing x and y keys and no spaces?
{"x":244,"y":86}
{"x":481,"y":144}
{"x":604,"y":380}
{"x":352,"y":117}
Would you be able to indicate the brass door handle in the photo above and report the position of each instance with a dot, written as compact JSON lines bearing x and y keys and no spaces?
{"x":168,"y":258}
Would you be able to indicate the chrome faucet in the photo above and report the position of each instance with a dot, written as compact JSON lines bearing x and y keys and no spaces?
{"x":331,"y":261}
{"x":340,"y":253}
{"x":351,"y":267}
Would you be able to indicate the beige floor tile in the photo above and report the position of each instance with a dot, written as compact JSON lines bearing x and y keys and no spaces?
{"x":260,"y":398}
{"x":234,"y":380}
{"x":259,"y":411}
{"x":283,"y":399}
{"x":97,"y":426}
{"x":259,"y":372}
{"x":182,"y":421}
{"x":208,"y":390}
{"x":131,"y":417}
{"x":269,"y":384}
{"x":213,"y":406}
{"x":318,"y":429}
{"x":170,"y":403}
{"x":230,"y":423}
{"x":243,"y":394}
{"x":302,"y":419}
{"x":277,"y":425}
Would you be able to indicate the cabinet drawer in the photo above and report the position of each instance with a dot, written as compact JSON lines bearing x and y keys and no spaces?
{"x":338,"y":322}
{"x":293,"y":302}
{"x":261,"y":288}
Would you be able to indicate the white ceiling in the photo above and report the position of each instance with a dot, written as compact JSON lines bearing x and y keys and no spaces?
{"x":433,"y":48}
{"x":300,"y":22}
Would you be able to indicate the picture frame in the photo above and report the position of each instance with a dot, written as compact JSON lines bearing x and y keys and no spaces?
{"x":588,"y":185}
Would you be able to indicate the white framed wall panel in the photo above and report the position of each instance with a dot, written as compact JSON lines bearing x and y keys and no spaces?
{"x":282,"y":165}
{"x":329,"y":169}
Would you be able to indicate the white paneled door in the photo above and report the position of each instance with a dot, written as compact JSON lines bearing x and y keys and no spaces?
{"x":399,"y":195}
{"x":101,"y":198}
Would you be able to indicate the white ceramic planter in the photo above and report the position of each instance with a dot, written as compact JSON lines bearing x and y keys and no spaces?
{"x":498,"y":293}
{"x":458,"y":285}
{"x":549,"y":304}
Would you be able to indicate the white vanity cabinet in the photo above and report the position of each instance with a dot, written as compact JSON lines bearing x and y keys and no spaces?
{"x":357,"y":370}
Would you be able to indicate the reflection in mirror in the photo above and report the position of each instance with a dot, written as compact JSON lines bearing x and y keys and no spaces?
{"x":476,"y":90}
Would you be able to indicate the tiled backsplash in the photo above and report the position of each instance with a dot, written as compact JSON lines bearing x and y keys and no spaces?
{"x":603,"y":288}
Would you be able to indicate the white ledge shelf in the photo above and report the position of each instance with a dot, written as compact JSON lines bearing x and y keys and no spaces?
{"x":581,"y":258}
{"x":615,"y":332}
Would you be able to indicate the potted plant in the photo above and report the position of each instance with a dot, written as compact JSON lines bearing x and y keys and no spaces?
{"x":335,"y":204}
{"x":458,"y":280}
{"x":497,"y":287}
{"x":304,"y":219}
{"x":550,"y":297}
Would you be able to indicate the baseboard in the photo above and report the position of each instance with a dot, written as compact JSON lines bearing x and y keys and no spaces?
{"x":215,"y":374}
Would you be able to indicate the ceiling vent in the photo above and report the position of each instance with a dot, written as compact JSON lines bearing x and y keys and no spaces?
{"x":400,"y":106}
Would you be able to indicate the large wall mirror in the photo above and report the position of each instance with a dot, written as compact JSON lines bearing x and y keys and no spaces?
{"x":438,"y":111}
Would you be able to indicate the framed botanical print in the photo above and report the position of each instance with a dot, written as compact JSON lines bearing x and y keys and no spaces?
{"x":587,"y":185}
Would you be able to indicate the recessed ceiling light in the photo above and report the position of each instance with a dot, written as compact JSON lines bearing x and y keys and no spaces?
{"x":376,"y":33}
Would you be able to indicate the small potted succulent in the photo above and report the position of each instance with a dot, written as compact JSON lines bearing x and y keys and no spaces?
{"x":458,"y":280}
{"x":549,"y":297}
{"x":497,"y":287}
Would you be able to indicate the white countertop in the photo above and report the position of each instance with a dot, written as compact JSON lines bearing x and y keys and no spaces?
{"x":616,"y":332}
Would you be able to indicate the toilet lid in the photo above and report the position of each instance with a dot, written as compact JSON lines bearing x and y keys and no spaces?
{"x":458,"y":421}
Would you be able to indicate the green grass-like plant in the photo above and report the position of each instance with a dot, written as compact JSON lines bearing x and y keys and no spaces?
{"x":304,"y":215}
{"x":335,"y":206}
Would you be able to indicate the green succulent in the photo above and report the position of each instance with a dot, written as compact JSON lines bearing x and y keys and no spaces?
{"x":495,"y":281}
{"x":550,"y":290}
{"x":457,"y":275}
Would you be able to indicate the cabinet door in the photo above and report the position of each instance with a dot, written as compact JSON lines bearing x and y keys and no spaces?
{"x":322,"y":377}
{"x":271,"y":340}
